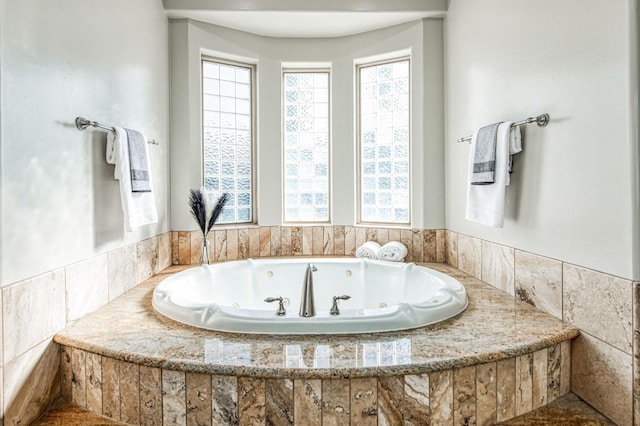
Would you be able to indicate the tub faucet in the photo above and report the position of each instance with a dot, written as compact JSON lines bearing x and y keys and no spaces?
{"x":307,"y":308}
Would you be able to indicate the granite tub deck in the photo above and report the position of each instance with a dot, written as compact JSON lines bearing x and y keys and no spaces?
{"x":499,"y":359}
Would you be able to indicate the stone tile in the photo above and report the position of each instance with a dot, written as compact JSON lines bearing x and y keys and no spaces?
{"x":279,"y":404}
{"x":146,"y":259}
{"x":94,"y":382}
{"x":418,"y":243}
{"x":361,"y":236}
{"x":232,"y":244}
{"x":285,"y":241}
{"x":390,"y":400}
{"x":174,"y":407}
{"x":32,"y":311}
{"x":317,"y":243}
{"x":599,"y":304}
{"x":66,"y":375}
{"x":224,"y":400}
{"x":254,"y":242}
{"x":394,"y":234}
{"x":506,"y":389}
{"x":371,"y":234}
{"x":199,"y":398}
{"x":464,"y":391}
{"x":339,"y":240}
{"x":87,"y":286}
{"x":429,"y":245}
{"x":565,"y":367}
{"x":265,"y":241}
{"x":486,"y":393}
{"x":175,"y":248}
{"x":406,"y":238}
{"x":328,"y":245}
{"x":602,"y":376}
{"x":111,"y":388}
{"x":63,"y":413}
{"x":470,"y":255}
{"x":497,"y":266}
{"x":524,"y":384}
{"x":251,"y":400}
{"x":31,"y":382}
{"x":307,"y":402}
{"x":150,"y":396}
{"x":79,"y":375}
{"x":184,"y":248}
{"x":539,"y":379}
{"x":364,"y":402}
{"x":219,"y":245}
{"x":416,"y":405}
{"x":307,"y":240}
{"x":539,"y":282}
{"x":451,"y":248}
{"x":441,"y":246}
{"x":164,"y":251}
{"x":243,"y":243}
{"x":296,"y":241}
{"x":129,"y":392}
{"x":382,"y":236}
{"x":276,"y":241}
{"x":441,"y":397}
{"x":349,"y":241}
{"x":197,"y":240}
{"x":121,"y":270}
{"x":553,"y":372}
{"x":336,"y":408}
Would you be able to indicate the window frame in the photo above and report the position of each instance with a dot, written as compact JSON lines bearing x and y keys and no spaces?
{"x":310,"y":70}
{"x":358,"y":143}
{"x":254,"y":120}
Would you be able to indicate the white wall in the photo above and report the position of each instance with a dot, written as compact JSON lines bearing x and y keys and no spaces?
{"x":190,"y":38}
{"x":574,"y":188}
{"x":107,"y":61}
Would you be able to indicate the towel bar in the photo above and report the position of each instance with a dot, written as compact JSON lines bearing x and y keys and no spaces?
{"x":541,"y":120}
{"x":82,"y":124}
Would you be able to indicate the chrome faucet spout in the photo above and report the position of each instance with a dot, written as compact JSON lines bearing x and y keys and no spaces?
{"x":307,"y":307}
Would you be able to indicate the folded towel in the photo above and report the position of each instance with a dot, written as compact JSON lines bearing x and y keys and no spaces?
{"x":138,"y":161}
{"x":515,"y":146}
{"x":484,"y":155}
{"x":485,"y":203}
{"x":139,"y":208}
{"x":368,"y":250}
{"x":393,"y":251}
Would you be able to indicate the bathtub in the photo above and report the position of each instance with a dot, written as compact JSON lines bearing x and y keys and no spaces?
{"x":384,"y":296}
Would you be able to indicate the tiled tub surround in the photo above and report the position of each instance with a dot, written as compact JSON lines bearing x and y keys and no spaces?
{"x":33,"y":310}
{"x":604,"y":373}
{"x":499,"y":359}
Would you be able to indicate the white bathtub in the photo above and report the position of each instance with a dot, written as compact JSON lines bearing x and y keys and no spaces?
{"x":385,"y":296}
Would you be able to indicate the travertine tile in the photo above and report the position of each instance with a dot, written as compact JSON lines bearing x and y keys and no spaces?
{"x":307,"y":240}
{"x":451,"y":248}
{"x":285,"y":243}
{"x":364,"y":402}
{"x":599,"y":304}
{"x":328,"y":245}
{"x":308,"y":402}
{"x":87,"y":286}
{"x":524,"y":383}
{"x":371,"y":234}
{"x":243,"y":243}
{"x":129,"y":392}
{"x":441,"y":246}
{"x":276,"y":241}
{"x":150,"y":396}
{"x":219,"y":245}
{"x":174,"y":408}
{"x":164,"y":251}
{"x":336,"y":408}
{"x":66,"y":373}
{"x":464,"y":391}
{"x":121,"y":270}
{"x":175,"y":248}
{"x":406,"y":238}
{"x":416,"y":405}
{"x":553,"y":373}
{"x":31,"y":383}
{"x":382,"y":236}
{"x":429,"y":245}
{"x":418,"y":243}
{"x":539,"y":282}
{"x":565,"y":367}
{"x":232,"y":244}
{"x":33,"y":310}
{"x":394,"y":234}
{"x":224,"y":400}
{"x":279,"y":403}
{"x":390,"y":400}
{"x":350,"y":241}
{"x":441,"y":397}
{"x":506,"y":389}
{"x":361,"y":236}
{"x":317,"y":244}
{"x":199,"y":399}
{"x":469,"y":255}
{"x":79,"y":374}
{"x":265,"y":241}
{"x":486,"y":393}
{"x":539,"y":379}
{"x":497,"y":266}
{"x":184,"y":247}
{"x":196,"y":247}
{"x":296,"y":240}
{"x":602,"y":376}
{"x":251,"y":401}
{"x":111,"y":388}
{"x":254,"y":242}
{"x":146,"y":258}
{"x":339,"y":240}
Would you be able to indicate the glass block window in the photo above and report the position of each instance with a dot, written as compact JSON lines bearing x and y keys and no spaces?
{"x":306,"y":146}
{"x":227,"y":119}
{"x":383,"y":142}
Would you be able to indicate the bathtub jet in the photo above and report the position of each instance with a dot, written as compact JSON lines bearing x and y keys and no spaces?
{"x":382,"y":296}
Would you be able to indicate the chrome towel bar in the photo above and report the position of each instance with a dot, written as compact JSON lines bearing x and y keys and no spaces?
{"x":541,"y":120}
{"x":82,"y":124}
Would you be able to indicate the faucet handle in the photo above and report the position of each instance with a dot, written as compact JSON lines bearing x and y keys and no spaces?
{"x":334,"y":307}
{"x":281,"y":311}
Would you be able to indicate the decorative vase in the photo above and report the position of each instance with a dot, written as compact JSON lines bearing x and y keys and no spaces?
{"x":206,"y":246}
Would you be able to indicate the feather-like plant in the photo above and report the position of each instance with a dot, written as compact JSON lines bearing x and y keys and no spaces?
{"x":198,"y":208}
{"x":217,"y":210}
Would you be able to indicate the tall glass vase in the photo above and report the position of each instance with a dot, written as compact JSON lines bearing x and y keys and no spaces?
{"x":206,"y":248}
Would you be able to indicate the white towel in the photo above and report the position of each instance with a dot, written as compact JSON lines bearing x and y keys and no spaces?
{"x":139,"y":208}
{"x":368,"y":250}
{"x":485,"y":203}
{"x":393,"y":251}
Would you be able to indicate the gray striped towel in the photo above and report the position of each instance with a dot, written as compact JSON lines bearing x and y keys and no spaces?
{"x":484,"y":155}
{"x":138,"y":161}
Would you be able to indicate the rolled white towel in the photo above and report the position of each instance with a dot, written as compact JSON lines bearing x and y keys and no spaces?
{"x":393,"y":251}
{"x":368,"y":250}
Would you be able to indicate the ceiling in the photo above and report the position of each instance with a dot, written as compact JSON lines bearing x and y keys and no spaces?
{"x":305,"y":18}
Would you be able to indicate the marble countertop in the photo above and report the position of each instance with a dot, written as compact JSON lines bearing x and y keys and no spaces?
{"x":494,"y":326}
